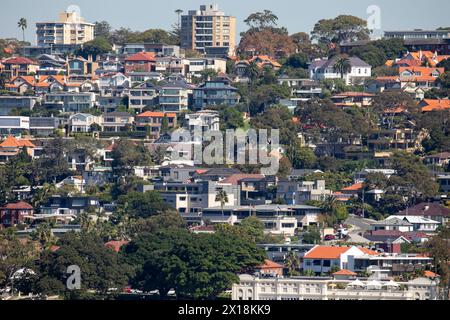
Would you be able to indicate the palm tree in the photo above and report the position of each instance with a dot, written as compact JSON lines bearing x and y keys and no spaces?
{"x":342,"y":65}
{"x":292,"y":262}
{"x":22,"y":24}
{"x":222,"y":197}
{"x":329,"y":205}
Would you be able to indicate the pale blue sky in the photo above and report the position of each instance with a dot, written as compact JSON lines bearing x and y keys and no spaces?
{"x":296,"y":15}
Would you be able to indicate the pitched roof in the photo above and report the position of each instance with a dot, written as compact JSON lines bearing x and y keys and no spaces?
{"x":354,"y":187}
{"x":155,"y":114}
{"x":18,"y":206}
{"x":435,"y":105}
{"x":426,"y":209}
{"x":269,"y":264}
{"x":344,"y":272}
{"x":142,"y":56}
{"x":430,"y":274}
{"x":326,"y":252}
{"x":19,"y":60}
{"x":116,"y":245}
{"x":12,"y":142}
{"x":331,"y":252}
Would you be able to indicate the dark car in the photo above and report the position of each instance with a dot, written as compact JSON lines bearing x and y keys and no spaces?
{"x":329,"y":237}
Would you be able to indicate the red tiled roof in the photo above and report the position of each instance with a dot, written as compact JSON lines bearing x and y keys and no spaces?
{"x":142,"y":56}
{"x":269,"y":264}
{"x":355,"y":187}
{"x":344,"y":272}
{"x":435,"y":105}
{"x":155,"y":114}
{"x":19,"y":60}
{"x":18,"y":206}
{"x":431,"y":274}
{"x":326,"y":252}
{"x":116,"y":245}
{"x":12,"y":142}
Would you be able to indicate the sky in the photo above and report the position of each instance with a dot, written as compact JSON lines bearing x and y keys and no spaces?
{"x":295,"y":15}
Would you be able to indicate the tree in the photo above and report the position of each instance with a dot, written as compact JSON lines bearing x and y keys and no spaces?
{"x":141,"y":205}
{"x":102,"y":29}
{"x":128,"y":154}
{"x":297,"y":60}
{"x":99,"y":265}
{"x":261,"y":20}
{"x":438,"y":247}
{"x":293,"y":263}
{"x":23,"y":24}
{"x":195,"y":266}
{"x":343,"y":28}
{"x":370,"y":54}
{"x":96,"y":47}
{"x":15,"y":255}
{"x":52,"y":166}
{"x":301,"y":157}
{"x":342,"y":65}
{"x":222,"y":197}
{"x":231,"y":118}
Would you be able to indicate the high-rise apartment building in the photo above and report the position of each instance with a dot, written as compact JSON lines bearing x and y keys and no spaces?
{"x":208,"y":30}
{"x":70,"y":29}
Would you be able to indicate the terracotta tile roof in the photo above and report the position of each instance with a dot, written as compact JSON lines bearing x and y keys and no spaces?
{"x":12,"y":142}
{"x":354,"y":94}
{"x":368,"y":251}
{"x":435,"y":105}
{"x":431,"y":274}
{"x":269,"y":264}
{"x":154,"y":114}
{"x":18,"y":206}
{"x":424,"y":71}
{"x":326,"y":252}
{"x":344,"y":272}
{"x":19,"y":60}
{"x":355,"y":187}
{"x":142,"y":56}
{"x":116,"y":245}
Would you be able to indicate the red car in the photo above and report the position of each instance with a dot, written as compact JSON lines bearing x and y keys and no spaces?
{"x":329,"y":237}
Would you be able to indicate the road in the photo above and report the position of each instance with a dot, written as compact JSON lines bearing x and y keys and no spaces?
{"x":358,"y":224}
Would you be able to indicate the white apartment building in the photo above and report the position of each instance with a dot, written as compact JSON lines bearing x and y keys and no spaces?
{"x":70,"y":29}
{"x":304,"y":288}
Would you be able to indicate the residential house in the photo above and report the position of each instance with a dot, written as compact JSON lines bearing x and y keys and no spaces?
{"x":321,"y":259}
{"x":142,"y":96}
{"x":431,"y":210}
{"x":194,"y":66}
{"x":169,"y":64}
{"x":413,"y":78}
{"x":351,"y":99}
{"x":83,"y":122}
{"x":441,"y":159}
{"x":62,"y":205}
{"x":81,"y":67}
{"x":159,"y":49}
{"x":175,"y":96}
{"x":13,"y":214}
{"x":70,"y":101}
{"x":16,"y":103}
{"x":294,"y":192}
{"x":141,"y":61}
{"x":19,"y":66}
{"x":14,"y":125}
{"x":395,"y":223}
{"x":50,"y":64}
{"x":44,"y":126}
{"x":205,"y":120}
{"x":321,"y":69}
{"x":420,"y":224}
{"x":114,"y":80}
{"x":151,"y":122}
{"x":116,"y":121}
{"x":429,"y":105}
{"x":215,"y":92}
{"x":270,"y":267}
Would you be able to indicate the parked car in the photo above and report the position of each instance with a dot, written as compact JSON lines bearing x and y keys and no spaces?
{"x":329,"y":237}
